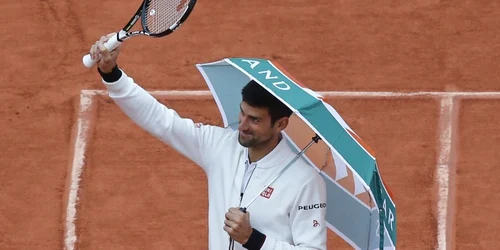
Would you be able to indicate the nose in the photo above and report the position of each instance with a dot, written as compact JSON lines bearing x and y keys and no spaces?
{"x":243,"y":124}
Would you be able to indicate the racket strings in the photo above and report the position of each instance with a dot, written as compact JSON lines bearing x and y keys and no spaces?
{"x":162,"y":14}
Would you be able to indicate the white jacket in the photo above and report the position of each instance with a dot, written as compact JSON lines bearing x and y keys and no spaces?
{"x":293,"y":214}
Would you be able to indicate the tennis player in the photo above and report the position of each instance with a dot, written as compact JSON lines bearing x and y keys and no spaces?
{"x":288,"y":215}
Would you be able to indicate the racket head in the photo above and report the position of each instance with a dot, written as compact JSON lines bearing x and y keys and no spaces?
{"x":161,"y":17}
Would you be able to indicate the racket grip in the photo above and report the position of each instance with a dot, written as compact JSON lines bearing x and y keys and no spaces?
{"x":111,"y":44}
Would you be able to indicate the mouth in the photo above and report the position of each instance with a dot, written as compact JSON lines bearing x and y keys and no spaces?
{"x":245,"y":134}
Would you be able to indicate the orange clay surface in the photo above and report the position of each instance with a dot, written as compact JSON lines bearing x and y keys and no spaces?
{"x":477,"y":209}
{"x":136,"y":194}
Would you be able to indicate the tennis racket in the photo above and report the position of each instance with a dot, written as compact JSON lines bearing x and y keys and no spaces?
{"x":158,"y":18}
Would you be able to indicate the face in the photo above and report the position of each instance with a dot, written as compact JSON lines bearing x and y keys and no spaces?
{"x":255,"y":128}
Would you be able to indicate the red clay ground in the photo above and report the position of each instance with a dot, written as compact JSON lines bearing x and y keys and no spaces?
{"x":327,"y":44}
{"x":136,"y":193}
{"x":478,"y":191}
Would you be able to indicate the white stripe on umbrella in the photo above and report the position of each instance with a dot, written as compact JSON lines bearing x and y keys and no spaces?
{"x":341,"y":168}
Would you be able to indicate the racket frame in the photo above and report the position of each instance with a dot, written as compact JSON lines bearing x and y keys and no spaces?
{"x":140,"y":14}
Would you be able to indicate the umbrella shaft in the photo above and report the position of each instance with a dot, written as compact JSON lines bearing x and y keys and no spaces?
{"x":314,"y":140}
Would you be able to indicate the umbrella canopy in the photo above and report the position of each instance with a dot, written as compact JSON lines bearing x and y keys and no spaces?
{"x":359,"y":207}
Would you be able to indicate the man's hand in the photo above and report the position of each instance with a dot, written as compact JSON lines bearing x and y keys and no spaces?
{"x":237,"y":225}
{"x":107,"y":58}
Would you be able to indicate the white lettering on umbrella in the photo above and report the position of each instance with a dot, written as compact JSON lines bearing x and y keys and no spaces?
{"x":268,"y":74}
{"x":279,"y":85}
{"x":391,"y":219}
{"x":252,"y":63}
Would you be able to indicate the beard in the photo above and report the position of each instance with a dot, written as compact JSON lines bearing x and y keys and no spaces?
{"x":250,"y":140}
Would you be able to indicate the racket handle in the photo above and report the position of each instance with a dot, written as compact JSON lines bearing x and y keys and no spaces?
{"x":111,"y":44}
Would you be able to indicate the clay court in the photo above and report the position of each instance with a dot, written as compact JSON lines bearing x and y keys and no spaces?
{"x":418,"y":81}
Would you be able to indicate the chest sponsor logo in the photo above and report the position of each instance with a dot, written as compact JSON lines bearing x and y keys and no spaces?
{"x":267,"y":193}
{"x":313,"y":206}
{"x":315,"y":223}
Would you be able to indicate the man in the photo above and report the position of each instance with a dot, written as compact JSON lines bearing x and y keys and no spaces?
{"x":289,"y":214}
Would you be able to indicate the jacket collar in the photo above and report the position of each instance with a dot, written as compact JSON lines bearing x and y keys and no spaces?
{"x":280,"y":153}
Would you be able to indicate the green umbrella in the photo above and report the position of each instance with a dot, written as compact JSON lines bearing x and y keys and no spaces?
{"x":359,"y":207}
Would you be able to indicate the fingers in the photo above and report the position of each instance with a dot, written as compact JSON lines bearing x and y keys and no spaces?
{"x":234,"y":215}
{"x":237,"y":225}
{"x":108,"y":36}
{"x":230,"y":224}
{"x":234,"y":218}
{"x":94,"y":51}
{"x":98,"y":48}
{"x":235,"y":210}
{"x":100,"y":45}
{"x":229,"y":230}
{"x":105,"y":58}
{"x":232,"y":227}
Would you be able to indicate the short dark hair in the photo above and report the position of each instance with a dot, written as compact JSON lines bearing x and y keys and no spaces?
{"x":256,"y":96}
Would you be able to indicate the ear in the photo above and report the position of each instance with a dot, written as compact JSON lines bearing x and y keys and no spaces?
{"x":282,"y":123}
